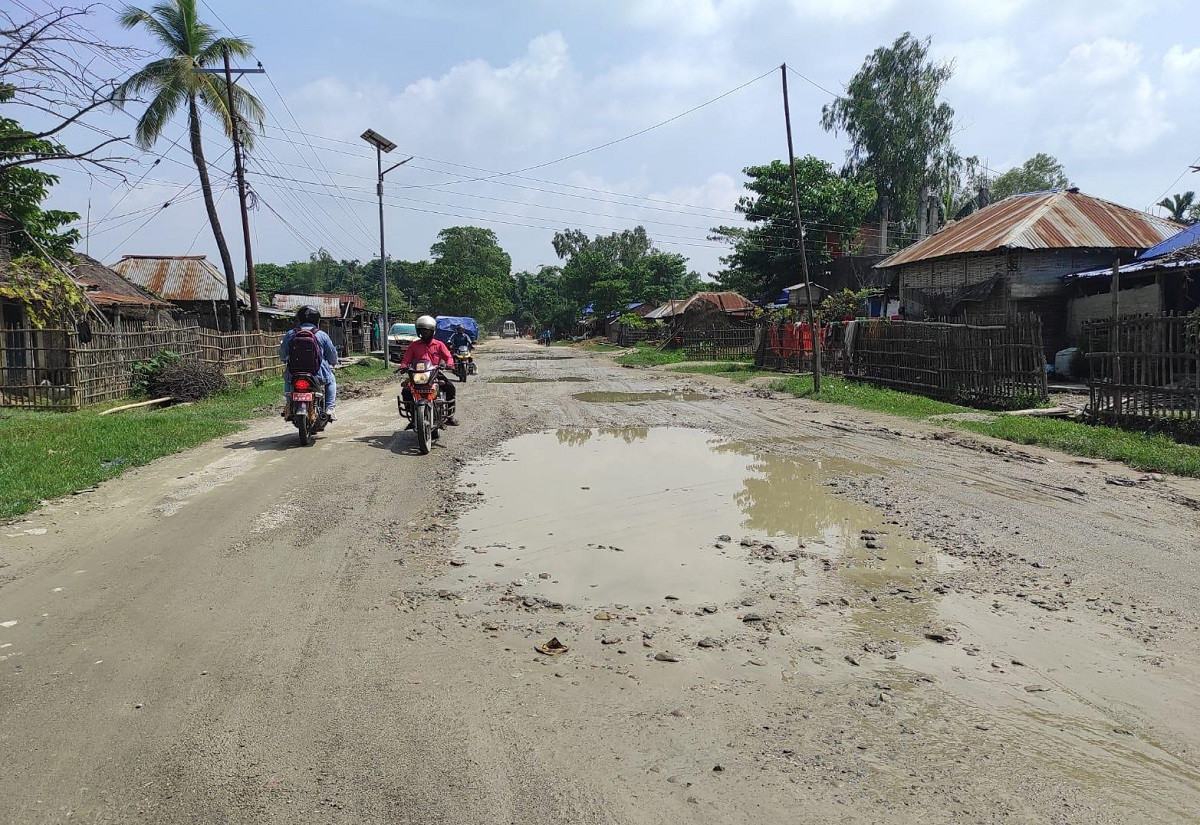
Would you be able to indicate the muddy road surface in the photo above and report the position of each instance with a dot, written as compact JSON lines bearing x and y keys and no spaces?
{"x":772,"y":611}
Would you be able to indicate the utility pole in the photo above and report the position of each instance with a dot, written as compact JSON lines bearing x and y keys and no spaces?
{"x":812,"y":316}
{"x":382,"y":145}
{"x":251,"y":285}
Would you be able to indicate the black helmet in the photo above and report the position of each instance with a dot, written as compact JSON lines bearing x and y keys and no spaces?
{"x":308,"y":315}
{"x":460,"y":328}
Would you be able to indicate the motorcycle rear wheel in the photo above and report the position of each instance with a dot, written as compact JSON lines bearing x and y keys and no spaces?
{"x":303,"y":431}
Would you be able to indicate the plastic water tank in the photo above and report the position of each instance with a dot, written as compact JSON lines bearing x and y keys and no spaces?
{"x":1063,"y":360}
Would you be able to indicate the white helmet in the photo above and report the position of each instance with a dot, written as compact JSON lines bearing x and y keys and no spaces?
{"x":426,"y":322}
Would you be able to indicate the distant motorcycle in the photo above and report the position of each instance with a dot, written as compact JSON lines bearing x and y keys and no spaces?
{"x":306,"y":407}
{"x":464,"y":363}
{"x":429,"y":411}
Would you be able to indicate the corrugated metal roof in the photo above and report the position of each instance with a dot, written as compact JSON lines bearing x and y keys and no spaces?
{"x":664,"y":311}
{"x":178,"y":278}
{"x":105,"y":287}
{"x":1061,"y":219}
{"x":328,"y":305}
{"x":724,"y":301}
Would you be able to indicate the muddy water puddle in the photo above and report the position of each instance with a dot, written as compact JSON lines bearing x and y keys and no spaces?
{"x":631,"y":515}
{"x":639,"y":397}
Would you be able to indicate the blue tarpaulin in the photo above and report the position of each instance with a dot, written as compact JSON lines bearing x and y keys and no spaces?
{"x":447,"y":324}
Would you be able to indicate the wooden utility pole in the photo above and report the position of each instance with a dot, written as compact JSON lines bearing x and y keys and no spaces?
{"x":812,"y":316}
{"x":251,"y":285}
{"x":1114,"y":336}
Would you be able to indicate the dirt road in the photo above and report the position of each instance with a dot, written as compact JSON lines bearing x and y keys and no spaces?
{"x":776,"y":612}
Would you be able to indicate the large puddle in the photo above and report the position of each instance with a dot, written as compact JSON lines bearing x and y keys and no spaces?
{"x":632,"y":515}
{"x":638,"y":397}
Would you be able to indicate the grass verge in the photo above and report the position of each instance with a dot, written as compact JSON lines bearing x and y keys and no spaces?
{"x":733,"y":370}
{"x":1141,"y":451}
{"x":646,"y":355}
{"x":49,"y":454}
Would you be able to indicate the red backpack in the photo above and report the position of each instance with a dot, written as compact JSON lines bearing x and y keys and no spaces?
{"x":304,"y":352}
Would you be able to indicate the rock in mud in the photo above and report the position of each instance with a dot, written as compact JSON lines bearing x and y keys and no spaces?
{"x":751,"y":618}
{"x":942,"y":635}
{"x":667,"y":657}
{"x":707,"y":642}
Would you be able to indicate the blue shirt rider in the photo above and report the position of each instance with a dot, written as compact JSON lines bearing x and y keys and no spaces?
{"x":461,"y":338}
{"x":308,"y":318}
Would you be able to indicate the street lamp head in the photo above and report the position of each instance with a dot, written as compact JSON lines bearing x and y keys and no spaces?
{"x":378,"y":141}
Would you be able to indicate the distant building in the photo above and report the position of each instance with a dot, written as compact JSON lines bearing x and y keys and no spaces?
{"x":1011,"y":257}
{"x":193,"y":284}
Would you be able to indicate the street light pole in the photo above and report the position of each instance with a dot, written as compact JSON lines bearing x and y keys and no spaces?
{"x":382,"y":145}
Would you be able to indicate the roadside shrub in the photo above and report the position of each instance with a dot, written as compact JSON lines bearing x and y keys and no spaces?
{"x":146,"y":372}
{"x":169,"y":374}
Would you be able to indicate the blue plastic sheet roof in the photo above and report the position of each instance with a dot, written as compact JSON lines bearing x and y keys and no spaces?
{"x":447,"y":324}
{"x":1187,"y":237}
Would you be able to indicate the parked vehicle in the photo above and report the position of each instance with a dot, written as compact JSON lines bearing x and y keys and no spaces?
{"x":399,"y":337}
{"x":306,"y":406}
{"x":429,"y":411}
{"x":509,"y":330}
{"x":464,"y":363}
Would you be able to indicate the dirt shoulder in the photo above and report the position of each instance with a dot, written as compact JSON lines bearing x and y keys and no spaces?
{"x":252,"y":632}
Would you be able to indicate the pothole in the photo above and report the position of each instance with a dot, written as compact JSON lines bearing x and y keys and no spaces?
{"x":630,"y":515}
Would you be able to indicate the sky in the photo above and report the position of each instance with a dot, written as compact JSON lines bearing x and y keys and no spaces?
{"x":536,"y":116}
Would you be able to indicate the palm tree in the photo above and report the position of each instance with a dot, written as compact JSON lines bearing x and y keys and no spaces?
{"x":176,"y":80}
{"x":1178,"y":205}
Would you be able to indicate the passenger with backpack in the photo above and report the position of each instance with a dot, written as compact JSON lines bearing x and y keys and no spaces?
{"x":307,"y":349}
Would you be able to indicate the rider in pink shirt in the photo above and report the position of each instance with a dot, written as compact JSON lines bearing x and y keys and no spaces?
{"x":427,"y":348}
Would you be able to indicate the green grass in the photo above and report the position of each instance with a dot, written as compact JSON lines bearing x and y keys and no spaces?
{"x":736,"y":371}
{"x":588,"y":346}
{"x":866,"y":397}
{"x":44,"y":455}
{"x":647,"y":355}
{"x":1141,"y":451}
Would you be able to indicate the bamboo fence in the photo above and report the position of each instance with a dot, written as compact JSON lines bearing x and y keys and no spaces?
{"x":53,"y":369}
{"x":999,"y":365}
{"x":1145,"y":369}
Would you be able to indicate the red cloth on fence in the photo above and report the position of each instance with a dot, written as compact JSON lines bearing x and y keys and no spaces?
{"x":796,"y":338}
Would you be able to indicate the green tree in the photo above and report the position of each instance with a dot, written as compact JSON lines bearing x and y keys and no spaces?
{"x":1180,"y":206}
{"x":470,"y":275}
{"x":540,"y":301}
{"x":1038,"y":174}
{"x":611,"y":271}
{"x":176,"y":81}
{"x":765,"y":258}
{"x":899,"y":130}
{"x":22,"y":190}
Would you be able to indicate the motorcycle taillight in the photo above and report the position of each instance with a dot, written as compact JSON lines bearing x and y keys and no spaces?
{"x":302,"y":384}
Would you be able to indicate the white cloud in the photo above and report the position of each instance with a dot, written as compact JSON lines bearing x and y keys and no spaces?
{"x":1180,"y":68}
{"x":843,"y":11}
{"x":690,"y":18}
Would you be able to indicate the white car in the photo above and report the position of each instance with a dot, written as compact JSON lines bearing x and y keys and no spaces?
{"x":399,"y":337}
{"x":509,"y":330}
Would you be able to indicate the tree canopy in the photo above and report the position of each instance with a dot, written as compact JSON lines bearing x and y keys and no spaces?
{"x":470,"y":274}
{"x":1038,"y":174}
{"x":539,"y":301}
{"x":22,"y":190}
{"x":899,"y":129}
{"x":611,"y":271}
{"x":765,"y":257}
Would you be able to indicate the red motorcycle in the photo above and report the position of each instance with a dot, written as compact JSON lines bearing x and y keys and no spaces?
{"x":306,"y":406}
{"x":429,"y":410}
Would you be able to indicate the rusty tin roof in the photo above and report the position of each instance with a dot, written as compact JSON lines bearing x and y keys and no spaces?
{"x":328,"y":305}
{"x":177,"y":277}
{"x":1059,"y":219}
{"x":105,"y":287}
